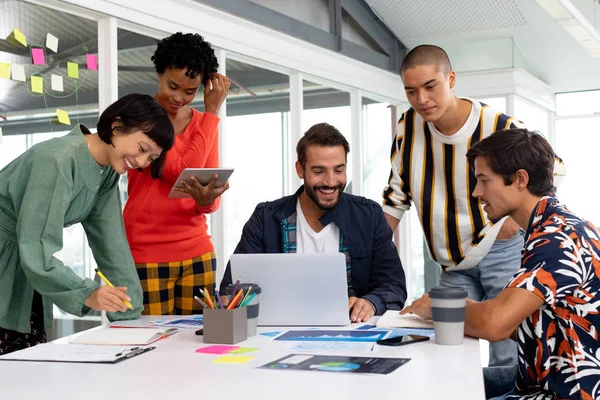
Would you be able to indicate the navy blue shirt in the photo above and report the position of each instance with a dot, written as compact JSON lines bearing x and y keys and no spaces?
{"x":375,"y":267}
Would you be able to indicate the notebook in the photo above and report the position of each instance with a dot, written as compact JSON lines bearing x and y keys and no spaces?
{"x":123,"y":336}
{"x":78,"y":353}
{"x":393,"y":319}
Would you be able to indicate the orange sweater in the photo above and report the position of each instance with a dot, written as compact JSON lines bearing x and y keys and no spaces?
{"x":160,"y":229}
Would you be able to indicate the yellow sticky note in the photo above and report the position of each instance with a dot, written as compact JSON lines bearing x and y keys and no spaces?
{"x":243,"y":350}
{"x":4,"y":70}
{"x":37,"y":84}
{"x":73,"y":70}
{"x":63,"y":117}
{"x":17,"y":37}
{"x":233,"y":359}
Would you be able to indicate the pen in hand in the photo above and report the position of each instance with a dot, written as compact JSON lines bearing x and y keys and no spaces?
{"x":128,"y":304}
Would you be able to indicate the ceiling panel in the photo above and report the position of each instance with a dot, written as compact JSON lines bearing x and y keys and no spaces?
{"x":410,"y":19}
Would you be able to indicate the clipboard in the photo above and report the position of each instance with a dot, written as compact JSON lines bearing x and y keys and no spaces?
{"x":76,"y":353}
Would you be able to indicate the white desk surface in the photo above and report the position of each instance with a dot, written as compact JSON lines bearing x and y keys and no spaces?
{"x":174,"y":370}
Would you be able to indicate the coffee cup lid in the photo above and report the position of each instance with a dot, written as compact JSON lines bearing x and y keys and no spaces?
{"x":445,"y":292}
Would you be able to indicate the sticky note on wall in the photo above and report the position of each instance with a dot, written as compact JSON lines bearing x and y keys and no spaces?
{"x":92,"y":62}
{"x":18,"y":73}
{"x":73,"y":70}
{"x":4,"y":70}
{"x":37,"y":84}
{"x":17,"y":38}
{"x":63,"y":117}
{"x":57,"y":83}
{"x":52,"y":42}
{"x":37,"y":55}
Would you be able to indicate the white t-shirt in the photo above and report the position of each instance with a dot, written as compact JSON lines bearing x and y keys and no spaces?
{"x":309,"y":241}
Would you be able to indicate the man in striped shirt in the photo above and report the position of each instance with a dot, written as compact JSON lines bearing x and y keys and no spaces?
{"x":430,"y":170}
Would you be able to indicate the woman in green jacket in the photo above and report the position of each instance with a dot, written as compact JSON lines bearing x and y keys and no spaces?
{"x":65,"y":181}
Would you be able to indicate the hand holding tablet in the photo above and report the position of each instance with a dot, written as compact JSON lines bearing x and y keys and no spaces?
{"x":201,"y":183}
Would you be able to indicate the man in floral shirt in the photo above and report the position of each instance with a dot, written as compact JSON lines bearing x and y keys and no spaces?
{"x":551,"y":306}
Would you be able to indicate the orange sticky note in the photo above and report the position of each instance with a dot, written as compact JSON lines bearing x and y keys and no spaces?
{"x":63,"y":117}
{"x":73,"y":70}
{"x":37,"y":84}
{"x":4,"y":70}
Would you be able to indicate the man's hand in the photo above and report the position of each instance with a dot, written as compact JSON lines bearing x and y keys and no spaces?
{"x":508,"y":230}
{"x":420,"y":307}
{"x":107,"y":298}
{"x":215,"y":92}
{"x":361,"y":310}
{"x":204,"y":195}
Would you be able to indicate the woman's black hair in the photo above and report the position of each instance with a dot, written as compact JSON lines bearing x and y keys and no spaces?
{"x":139,"y":112}
{"x":188,"y":50}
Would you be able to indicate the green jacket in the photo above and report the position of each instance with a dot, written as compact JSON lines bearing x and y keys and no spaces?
{"x":55,"y":184}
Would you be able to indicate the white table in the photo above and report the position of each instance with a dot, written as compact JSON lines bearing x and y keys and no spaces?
{"x":175,"y":371}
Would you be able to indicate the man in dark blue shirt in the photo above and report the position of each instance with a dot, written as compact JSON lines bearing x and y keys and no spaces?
{"x":321,"y":218}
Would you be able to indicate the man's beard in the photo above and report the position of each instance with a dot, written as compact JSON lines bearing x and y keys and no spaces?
{"x":312,"y":194}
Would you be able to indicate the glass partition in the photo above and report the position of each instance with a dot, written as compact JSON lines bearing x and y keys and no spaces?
{"x":378,"y":131}
{"x":326,"y":104}
{"x":52,"y":84}
{"x":535,"y":117}
{"x":257,"y":126}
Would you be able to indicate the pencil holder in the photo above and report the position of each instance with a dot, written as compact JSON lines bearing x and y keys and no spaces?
{"x":225,"y":326}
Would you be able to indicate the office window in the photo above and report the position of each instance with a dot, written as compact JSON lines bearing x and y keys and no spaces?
{"x":578,"y":103}
{"x":11,"y":147}
{"x":497,"y":103}
{"x":577,"y":143}
{"x":136,"y":74}
{"x":376,"y":141}
{"x":535,"y":117}
{"x":326,"y":104}
{"x":256,"y":126}
{"x":56,"y":70}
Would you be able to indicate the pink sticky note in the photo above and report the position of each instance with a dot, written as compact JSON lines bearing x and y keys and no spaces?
{"x":38,"y":56}
{"x":92,"y":62}
{"x":216,"y":349}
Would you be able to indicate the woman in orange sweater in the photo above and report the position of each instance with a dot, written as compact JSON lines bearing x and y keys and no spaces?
{"x":168,"y":237}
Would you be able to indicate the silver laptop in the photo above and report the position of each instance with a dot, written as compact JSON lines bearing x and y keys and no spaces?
{"x":297,"y":289}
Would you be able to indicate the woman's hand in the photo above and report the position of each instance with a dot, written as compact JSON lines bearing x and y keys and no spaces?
{"x":215,"y":92}
{"x":204,"y":195}
{"x":107,"y":298}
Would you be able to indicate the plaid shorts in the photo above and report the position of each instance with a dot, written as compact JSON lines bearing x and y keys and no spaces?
{"x":169,"y":288}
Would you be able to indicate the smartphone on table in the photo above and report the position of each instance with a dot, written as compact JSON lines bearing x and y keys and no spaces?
{"x":402,"y":340}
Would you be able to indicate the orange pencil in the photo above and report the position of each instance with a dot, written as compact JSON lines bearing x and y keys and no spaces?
{"x":233,"y":302}
{"x":208,"y":299}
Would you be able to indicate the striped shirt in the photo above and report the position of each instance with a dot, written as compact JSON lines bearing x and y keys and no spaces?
{"x":431,"y":171}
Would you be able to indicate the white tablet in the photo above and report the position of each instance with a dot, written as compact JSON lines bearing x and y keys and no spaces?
{"x":203,"y":175}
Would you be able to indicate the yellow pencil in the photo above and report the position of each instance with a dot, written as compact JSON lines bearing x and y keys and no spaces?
{"x":128,"y":304}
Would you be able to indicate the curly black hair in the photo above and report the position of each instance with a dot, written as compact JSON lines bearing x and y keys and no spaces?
{"x":186,"y":50}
